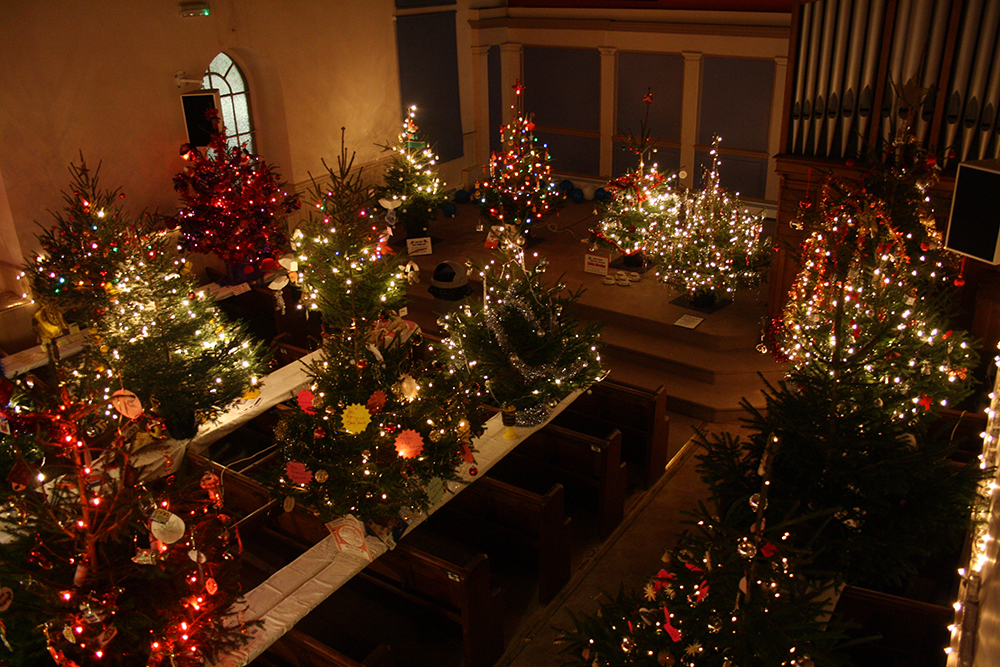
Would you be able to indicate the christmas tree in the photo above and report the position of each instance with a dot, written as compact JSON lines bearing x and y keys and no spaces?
{"x":100,"y":567}
{"x":162,"y":337}
{"x":731,"y":592}
{"x":412,"y":188}
{"x":381,"y":419}
{"x":521,"y":343}
{"x":234,"y":204}
{"x":872,"y":297}
{"x":519,"y":192}
{"x":81,"y":252}
{"x":714,"y":248}
{"x":640,"y":202}
{"x":168,"y":342}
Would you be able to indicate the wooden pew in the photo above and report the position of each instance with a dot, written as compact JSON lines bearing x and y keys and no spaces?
{"x":640,"y":415}
{"x":297,"y":649}
{"x":429,"y":570}
{"x":909,"y":632}
{"x":450,"y":579}
{"x":590,"y":469}
{"x":502,"y":519}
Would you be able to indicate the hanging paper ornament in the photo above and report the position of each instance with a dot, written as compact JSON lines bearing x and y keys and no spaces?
{"x":356,"y":418}
{"x":166,"y":526}
{"x":6,"y":597}
{"x":144,"y":557}
{"x":376,"y":402}
{"x":126,"y":403}
{"x":409,"y":443}
{"x":211,"y":587}
{"x":306,"y":401}
{"x":298,"y":472}
{"x":105,"y":637}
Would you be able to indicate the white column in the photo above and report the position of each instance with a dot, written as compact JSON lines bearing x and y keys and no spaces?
{"x":774,"y":133}
{"x":609,"y":93}
{"x":480,"y":144}
{"x":511,"y":54}
{"x":690,"y":108}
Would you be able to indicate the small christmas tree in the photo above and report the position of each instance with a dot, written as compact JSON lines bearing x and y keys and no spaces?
{"x":715,"y":247}
{"x":99,"y":567}
{"x":412,"y":189}
{"x":519,"y":192}
{"x":520,"y":343}
{"x":234,"y":204}
{"x":381,"y":419}
{"x":639,"y":203}
{"x":168,"y":342}
{"x":80,"y":253}
{"x":162,"y":337}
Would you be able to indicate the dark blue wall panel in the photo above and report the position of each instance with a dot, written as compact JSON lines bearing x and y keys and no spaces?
{"x":736,"y":102}
{"x":428,"y":77}
{"x":659,"y":73}
{"x":562,"y":87}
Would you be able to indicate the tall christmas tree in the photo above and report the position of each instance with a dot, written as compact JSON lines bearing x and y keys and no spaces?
{"x":640,"y":202}
{"x":715,"y":247}
{"x":519,"y":192}
{"x":80,"y":252}
{"x":731,"y":592}
{"x":234,"y":204}
{"x":381,"y":419}
{"x":521,"y":342}
{"x":872,"y":297}
{"x":162,"y":337}
{"x":99,"y":567}
{"x":412,"y":188}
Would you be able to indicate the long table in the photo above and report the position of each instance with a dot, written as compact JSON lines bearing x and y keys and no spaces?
{"x":292,"y":592}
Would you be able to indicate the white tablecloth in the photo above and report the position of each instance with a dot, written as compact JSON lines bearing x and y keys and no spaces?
{"x":295,"y":590}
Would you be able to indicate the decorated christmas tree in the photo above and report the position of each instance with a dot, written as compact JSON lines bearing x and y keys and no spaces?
{"x":731,"y":592}
{"x":160,"y":335}
{"x":640,"y":203}
{"x":715,"y":247}
{"x":381,"y":419}
{"x":80,"y":252}
{"x":412,"y":191}
{"x":519,"y":192}
{"x":521,"y":343}
{"x":168,"y":342}
{"x":872,"y":297}
{"x":100,"y":567}
{"x":234,"y":205}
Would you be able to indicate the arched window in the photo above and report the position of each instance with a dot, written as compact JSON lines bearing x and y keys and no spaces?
{"x":225,"y":76}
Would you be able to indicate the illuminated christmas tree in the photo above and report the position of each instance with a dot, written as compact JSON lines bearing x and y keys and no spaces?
{"x":382,"y":418}
{"x":234,"y":205}
{"x":519,"y":192}
{"x":731,"y":592}
{"x":715,"y":247}
{"x":641,"y":203}
{"x":80,"y":253}
{"x":872,"y":297}
{"x":163,"y":337}
{"x":100,"y":567}
{"x":168,"y":342}
{"x":521,"y":343}
{"x":411,"y":184}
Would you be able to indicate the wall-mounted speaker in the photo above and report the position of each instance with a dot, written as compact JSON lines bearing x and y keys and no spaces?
{"x":974,"y":223}
{"x":195,"y":104}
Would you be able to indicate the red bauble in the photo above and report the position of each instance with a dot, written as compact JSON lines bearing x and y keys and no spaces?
{"x":849,"y":162}
{"x":960,"y":281}
{"x":931,"y":160}
{"x":362,"y":363}
{"x":925,"y":246}
{"x":319,"y":434}
{"x":806,"y":203}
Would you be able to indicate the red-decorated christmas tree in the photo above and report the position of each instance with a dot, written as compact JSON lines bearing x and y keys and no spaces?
{"x":101,"y":567}
{"x":235,"y":205}
{"x":519,"y":192}
{"x":639,"y":203}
